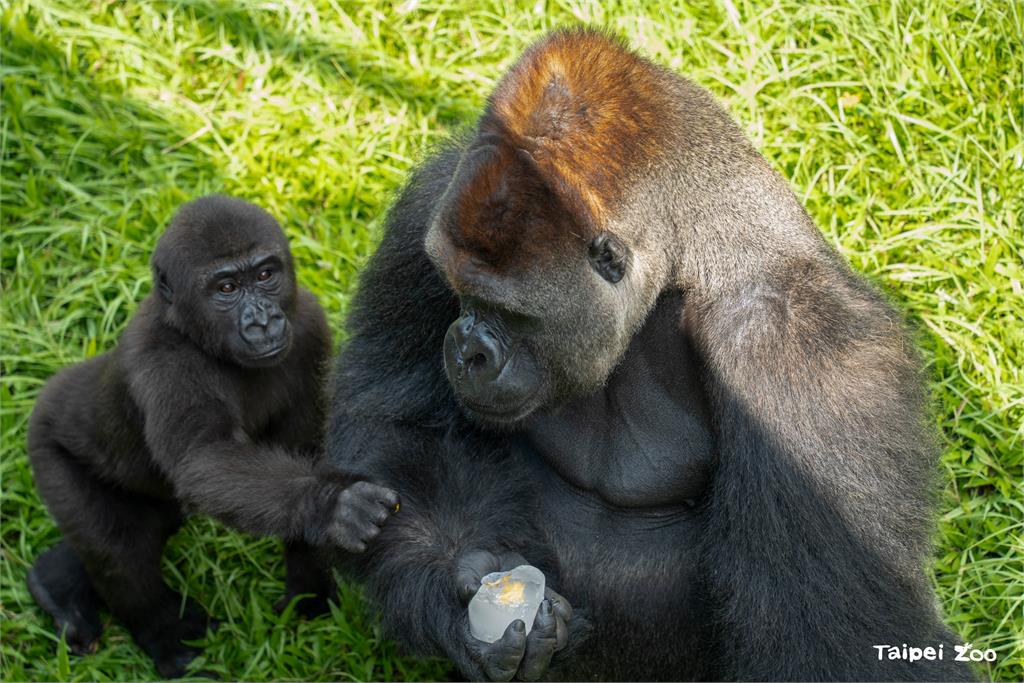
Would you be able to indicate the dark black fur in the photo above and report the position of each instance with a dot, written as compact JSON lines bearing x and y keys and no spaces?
{"x":747,"y":495}
{"x":212,"y":403}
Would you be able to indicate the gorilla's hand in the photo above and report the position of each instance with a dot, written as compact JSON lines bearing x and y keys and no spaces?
{"x":515,"y":654}
{"x":473,"y":566}
{"x":359,"y":511}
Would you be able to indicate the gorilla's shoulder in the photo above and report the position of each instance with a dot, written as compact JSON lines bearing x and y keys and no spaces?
{"x":311,"y":328}
{"x":149,"y":346}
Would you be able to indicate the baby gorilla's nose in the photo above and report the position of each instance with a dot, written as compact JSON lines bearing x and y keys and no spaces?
{"x":262,"y":323}
{"x":276,"y":325}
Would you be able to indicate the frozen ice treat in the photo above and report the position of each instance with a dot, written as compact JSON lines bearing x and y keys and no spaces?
{"x":504,"y":597}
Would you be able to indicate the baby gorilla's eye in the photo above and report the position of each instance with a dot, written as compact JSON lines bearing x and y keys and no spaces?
{"x":228,"y":287}
{"x":265,"y":275}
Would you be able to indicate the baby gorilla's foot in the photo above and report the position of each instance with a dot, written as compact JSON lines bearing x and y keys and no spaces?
{"x":196,"y":623}
{"x":60,"y":585}
{"x":163,"y":639}
{"x":307,"y":573}
{"x":309,"y":607}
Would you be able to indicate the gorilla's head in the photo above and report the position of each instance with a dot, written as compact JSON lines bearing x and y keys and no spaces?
{"x":555,"y":260}
{"x":548,"y":302}
{"x":225,"y":278}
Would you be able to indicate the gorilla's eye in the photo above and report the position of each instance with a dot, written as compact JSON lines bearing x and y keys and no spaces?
{"x":228,"y":287}
{"x":265,"y":275}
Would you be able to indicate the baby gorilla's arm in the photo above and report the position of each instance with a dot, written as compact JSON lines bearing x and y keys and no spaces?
{"x":263,"y":489}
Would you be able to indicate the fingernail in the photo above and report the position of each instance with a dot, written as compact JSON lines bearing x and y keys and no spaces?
{"x":518,"y":626}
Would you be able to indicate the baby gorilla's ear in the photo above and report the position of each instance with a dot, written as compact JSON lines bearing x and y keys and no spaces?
{"x":608,"y":256}
{"x":166,"y":293}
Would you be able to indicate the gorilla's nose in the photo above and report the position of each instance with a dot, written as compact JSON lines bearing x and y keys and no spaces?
{"x":474,"y":351}
{"x":262,"y":324}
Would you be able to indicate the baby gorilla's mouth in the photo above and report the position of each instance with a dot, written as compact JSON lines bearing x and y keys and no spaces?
{"x":272,"y":352}
{"x":269,"y":351}
{"x":265,"y":354}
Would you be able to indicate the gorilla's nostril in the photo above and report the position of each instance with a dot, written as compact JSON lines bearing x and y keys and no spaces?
{"x":477,"y":362}
{"x":472,"y":352}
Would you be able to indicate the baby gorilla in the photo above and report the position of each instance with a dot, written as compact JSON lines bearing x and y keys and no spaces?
{"x":211,"y":403}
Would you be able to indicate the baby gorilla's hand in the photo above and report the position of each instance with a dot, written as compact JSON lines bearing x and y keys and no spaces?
{"x":360,"y":510}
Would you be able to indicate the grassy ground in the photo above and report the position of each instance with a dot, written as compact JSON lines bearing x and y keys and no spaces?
{"x":901,"y":126}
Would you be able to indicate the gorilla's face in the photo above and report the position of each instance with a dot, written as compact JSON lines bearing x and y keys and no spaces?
{"x":245,"y":303}
{"x":536,"y":338}
{"x":549,"y":298}
{"x":225,"y":275}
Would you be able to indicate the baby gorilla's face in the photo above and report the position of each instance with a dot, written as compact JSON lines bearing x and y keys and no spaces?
{"x":246,"y":302}
{"x":224,"y":272}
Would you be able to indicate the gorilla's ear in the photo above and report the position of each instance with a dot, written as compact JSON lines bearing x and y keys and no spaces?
{"x":608,"y":256}
{"x":164,"y":287}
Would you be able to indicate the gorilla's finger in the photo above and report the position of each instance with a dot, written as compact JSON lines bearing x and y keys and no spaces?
{"x":510,"y":560}
{"x":561,"y":634}
{"x":359,"y":517}
{"x":540,"y":644}
{"x":344,"y":536}
{"x":381,"y":514}
{"x":361,"y":488}
{"x":378,"y":494}
{"x":367,"y":532}
{"x":467,"y":589}
{"x":500,"y":660}
{"x":351,"y":545}
{"x":363,"y":515}
{"x":470,"y":568}
{"x":474,"y":565}
{"x":561,"y":606}
{"x":391,"y":499}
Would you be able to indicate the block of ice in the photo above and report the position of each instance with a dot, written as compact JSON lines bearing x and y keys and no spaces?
{"x":504,"y":597}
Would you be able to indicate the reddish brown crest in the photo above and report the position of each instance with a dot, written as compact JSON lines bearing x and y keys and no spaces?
{"x":562,"y":134}
{"x":587,"y":109}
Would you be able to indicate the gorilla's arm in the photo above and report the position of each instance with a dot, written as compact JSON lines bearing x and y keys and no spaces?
{"x":217,"y":470}
{"x":818,"y":516}
{"x":393,"y":416}
{"x":196,"y":435}
{"x":458,"y":498}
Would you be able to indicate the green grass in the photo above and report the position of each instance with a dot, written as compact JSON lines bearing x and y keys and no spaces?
{"x":900,"y":125}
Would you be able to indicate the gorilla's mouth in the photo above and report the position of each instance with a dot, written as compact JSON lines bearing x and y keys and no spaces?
{"x":263,"y":356}
{"x":508,"y":398}
{"x":504,"y":415}
{"x":269,"y":351}
{"x":269,"y":354}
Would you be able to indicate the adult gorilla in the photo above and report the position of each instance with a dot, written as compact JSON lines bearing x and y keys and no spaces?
{"x":663,"y":388}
